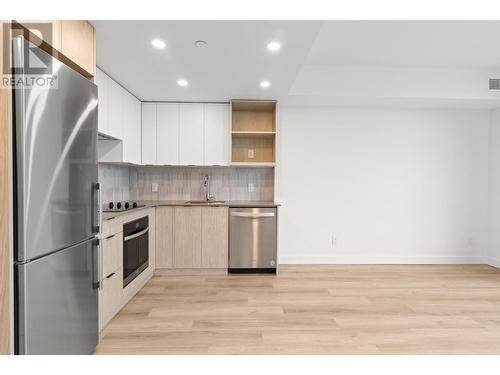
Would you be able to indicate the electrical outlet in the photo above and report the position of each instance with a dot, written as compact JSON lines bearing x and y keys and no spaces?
{"x":334,"y":240}
{"x":251,"y":188}
{"x":251,"y":153}
{"x":154,"y":188}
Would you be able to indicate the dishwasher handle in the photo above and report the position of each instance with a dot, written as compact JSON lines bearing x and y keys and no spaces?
{"x":252,"y":214}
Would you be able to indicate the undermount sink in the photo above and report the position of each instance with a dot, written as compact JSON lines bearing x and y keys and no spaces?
{"x":205,"y":202}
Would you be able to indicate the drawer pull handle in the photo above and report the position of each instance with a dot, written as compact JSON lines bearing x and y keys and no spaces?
{"x":110,"y":275}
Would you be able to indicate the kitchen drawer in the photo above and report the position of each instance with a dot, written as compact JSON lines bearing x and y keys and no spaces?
{"x":110,"y":297}
{"x":111,"y":226}
{"x":112,"y":253}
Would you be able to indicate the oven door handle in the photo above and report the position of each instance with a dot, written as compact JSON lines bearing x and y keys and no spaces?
{"x":132,"y":236}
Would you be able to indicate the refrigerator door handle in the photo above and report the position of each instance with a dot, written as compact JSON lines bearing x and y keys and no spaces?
{"x":98,"y":265}
{"x":99,"y":208}
{"x":101,"y":265}
{"x":96,"y":223}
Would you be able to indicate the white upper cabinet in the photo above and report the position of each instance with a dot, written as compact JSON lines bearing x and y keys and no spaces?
{"x":119,"y":117}
{"x":216,"y":134}
{"x":102,"y":95}
{"x":191,"y":133}
{"x":131,"y":129}
{"x":115,"y":110}
{"x":185,"y":134}
{"x":149,"y":133}
{"x":167,"y":133}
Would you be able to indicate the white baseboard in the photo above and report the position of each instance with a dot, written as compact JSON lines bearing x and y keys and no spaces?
{"x":492,"y":261}
{"x":322,"y":259}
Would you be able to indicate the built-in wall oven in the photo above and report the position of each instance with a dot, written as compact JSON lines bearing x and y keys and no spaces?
{"x":135,"y":249}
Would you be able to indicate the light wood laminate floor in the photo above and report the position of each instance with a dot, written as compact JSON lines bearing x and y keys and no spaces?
{"x":317,"y":309}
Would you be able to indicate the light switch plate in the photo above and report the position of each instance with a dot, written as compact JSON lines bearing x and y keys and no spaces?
{"x":251,"y":188}
{"x":154,"y":188}
{"x":251,"y":153}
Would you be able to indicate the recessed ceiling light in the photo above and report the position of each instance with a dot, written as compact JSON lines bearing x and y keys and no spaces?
{"x":158,"y":43}
{"x":182,"y":82}
{"x":273,"y":46}
{"x":200,"y":43}
{"x":265,"y":84}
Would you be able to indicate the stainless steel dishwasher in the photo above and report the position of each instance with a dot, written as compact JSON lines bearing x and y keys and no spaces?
{"x":252,"y":240}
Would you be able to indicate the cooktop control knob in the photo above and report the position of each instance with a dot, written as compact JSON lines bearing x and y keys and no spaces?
{"x":127,"y":205}
{"x":119,"y":205}
{"x":111,"y":205}
{"x":134,"y":205}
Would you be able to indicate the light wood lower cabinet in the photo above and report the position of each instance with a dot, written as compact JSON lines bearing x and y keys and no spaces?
{"x":110,"y":297}
{"x":187,"y":237}
{"x":111,"y":293}
{"x":112,"y":248}
{"x":164,"y":237}
{"x":214,"y":234}
{"x":191,"y":237}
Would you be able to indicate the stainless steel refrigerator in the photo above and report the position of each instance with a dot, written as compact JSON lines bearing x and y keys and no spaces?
{"x":56,"y":204}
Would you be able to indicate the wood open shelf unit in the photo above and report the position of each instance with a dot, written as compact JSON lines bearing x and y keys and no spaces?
{"x":253,"y":133}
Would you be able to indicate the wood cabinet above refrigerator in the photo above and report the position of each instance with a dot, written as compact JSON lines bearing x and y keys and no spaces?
{"x":71,"y":41}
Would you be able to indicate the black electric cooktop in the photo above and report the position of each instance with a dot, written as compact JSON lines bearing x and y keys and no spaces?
{"x":121,"y":206}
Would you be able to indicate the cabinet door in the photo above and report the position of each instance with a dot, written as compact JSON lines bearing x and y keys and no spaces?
{"x":167,"y":130}
{"x":112,"y":248}
{"x":137,"y":131}
{"x":164,"y":237}
{"x":216,"y":132}
{"x":191,"y":134}
{"x":115,"y":109}
{"x":148,"y":133}
{"x":187,"y":237}
{"x":102,"y":95}
{"x":214,"y":224}
{"x":55,"y":27}
{"x":78,"y":43}
{"x":110,"y":297}
{"x":131,"y":129}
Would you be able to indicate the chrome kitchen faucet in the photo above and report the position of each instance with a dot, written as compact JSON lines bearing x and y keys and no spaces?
{"x":206,"y":187}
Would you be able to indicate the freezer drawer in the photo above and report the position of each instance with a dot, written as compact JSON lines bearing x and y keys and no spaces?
{"x":57,"y":302}
{"x":252,"y":239}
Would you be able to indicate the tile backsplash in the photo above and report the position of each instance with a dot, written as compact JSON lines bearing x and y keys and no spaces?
{"x":121,"y":183}
{"x":115,"y":182}
{"x":186,"y":183}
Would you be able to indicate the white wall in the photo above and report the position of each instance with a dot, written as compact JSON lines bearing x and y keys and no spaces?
{"x":438,"y":85}
{"x":493,"y":253}
{"x":391,"y":185}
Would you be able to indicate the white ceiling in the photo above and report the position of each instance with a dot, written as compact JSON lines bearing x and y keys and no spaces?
{"x":444,"y":44}
{"x":330,"y":63}
{"x":231,"y":66}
